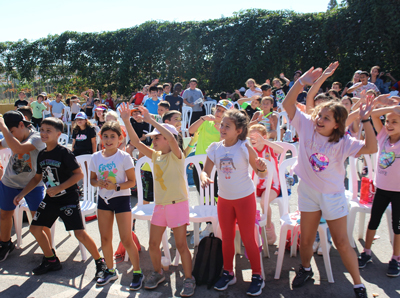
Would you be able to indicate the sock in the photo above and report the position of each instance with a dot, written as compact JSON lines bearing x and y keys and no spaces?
{"x":231,"y":273}
{"x":367,"y":251}
{"x":51,"y":259}
{"x":307,"y":269}
{"x":99,"y":260}
{"x":112,"y":270}
{"x":397,"y":258}
{"x":359,"y":286}
{"x":138,"y":271}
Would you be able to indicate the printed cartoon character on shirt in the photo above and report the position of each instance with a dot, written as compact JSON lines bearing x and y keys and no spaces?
{"x":227,"y":166}
{"x":280,"y":95}
{"x":52,"y":177}
{"x":319,"y":162}
{"x":22,"y":163}
{"x":386,"y":159}
{"x":81,"y":137}
{"x":108,"y":171}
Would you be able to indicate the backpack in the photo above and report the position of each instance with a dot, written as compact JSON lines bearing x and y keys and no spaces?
{"x":120,"y":252}
{"x":209,"y":262}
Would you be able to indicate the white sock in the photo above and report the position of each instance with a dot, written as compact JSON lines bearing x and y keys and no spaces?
{"x":359,"y":286}
{"x":307,"y":269}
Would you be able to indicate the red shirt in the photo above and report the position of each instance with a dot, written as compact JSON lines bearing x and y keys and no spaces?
{"x":109,"y":103}
{"x":138,"y":98}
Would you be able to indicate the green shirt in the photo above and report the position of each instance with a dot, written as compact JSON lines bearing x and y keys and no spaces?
{"x":37,"y":109}
{"x":208,"y":134}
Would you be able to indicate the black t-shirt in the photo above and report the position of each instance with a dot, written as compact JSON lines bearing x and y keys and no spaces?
{"x":250,"y":111}
{"x":175,"y":102}
{"x":140,"y":129}
{"x":21,"y":103}
{"x":349,"y":85}
{"x":56,"y":167}
{"x":83,"y":140}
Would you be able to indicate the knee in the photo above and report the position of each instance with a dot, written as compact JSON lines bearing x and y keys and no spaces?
{"x":127,"y":241}
{"x":105,"y":239}
{"x":306,"y":241}
{"x":342,"y":243}
{"x":181,"y":245}
{"x":35,"y":230}
{"x":154,"y":245}
{"x":80,"y":234}
{"x":6,"y":215}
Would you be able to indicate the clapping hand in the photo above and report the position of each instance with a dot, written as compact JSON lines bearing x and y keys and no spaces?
{"x":366,"y":109}
{"x":310,"y":76}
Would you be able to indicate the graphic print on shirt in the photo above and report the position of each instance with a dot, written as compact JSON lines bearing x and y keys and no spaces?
{"x":108,"y":171}
{"x":159,"y":176}
{"x":22,"y":163}
{"x":50,"y":175}
{"x":81,"y":137}
{"x":280,"y":95}
{"x":386,"y":159}
{"x":226,"y":165}
{"x":319,"y":162}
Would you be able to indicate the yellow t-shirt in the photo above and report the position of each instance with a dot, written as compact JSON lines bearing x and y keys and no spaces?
{"x":169,"y":178}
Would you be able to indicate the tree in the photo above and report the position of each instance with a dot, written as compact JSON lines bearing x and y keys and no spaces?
{"x":332,"y":4}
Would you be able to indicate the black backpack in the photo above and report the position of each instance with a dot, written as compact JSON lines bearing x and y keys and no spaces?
{"x":209,"y":262}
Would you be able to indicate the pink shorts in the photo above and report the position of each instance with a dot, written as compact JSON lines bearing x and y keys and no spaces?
{"x":261,"y":190}
{"x":172,"y":215}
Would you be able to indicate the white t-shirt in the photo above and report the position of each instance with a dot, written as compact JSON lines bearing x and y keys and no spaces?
{"x":366,"y":87}
{"x":250,"y":93}
{"x":320,"y":164}
{"x":112,"y":168}
{"x":232,"y":163}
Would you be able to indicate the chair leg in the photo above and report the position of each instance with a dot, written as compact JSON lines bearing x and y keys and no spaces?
{"x":322,"y":229}
{"x":18,"y":226}
{"x":361,"y":226}
{"x":238,"y":246}
{"x":351,"y":220}
{"x":259,"y":243}
{"x":265,"y":243}
{"x":53,"y":233}
{"x":281,"y":250}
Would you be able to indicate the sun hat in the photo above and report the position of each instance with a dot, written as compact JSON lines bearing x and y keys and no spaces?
{"x":169,"y":127}
{"x":81,"y":115}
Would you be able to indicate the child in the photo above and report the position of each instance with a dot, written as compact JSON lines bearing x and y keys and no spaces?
{"x":75,"y":107}
{"x":25,"y":144}
{"x":113,"y":171}
{"x":266,"y":117}
{"x":337,"y":86}
{"x":89,"y":105}
{"x":140,"y":127}
{"x":170,"y":195}
{"x":163,"y":107}
{"x":83,"y":136}
{"x":323,"y":148}
{"x":166,"y":90}
{"x":57,"y":107}
{"x":59,"y":170}
{"x":174,"y":99}
{"x":113,"y":116}
{"x":37,"y":109}
{"x":252,"y":108}
{"x":270,"y":151}
{"x":387,"y":187}
{"x":364,"y":84}
{"x":236,"y":200}
{"x":100,"y":111}
{"x":152,"y":102}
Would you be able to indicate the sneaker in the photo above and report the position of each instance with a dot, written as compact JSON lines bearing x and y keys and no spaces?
{"x":154,"y":280}
{"x":224,"y":281}
{"x":47,"y":266}
{"x":315,"y":246}
{"x":189,"y":284}
{"x":256,"y":286}
{"x":394,"y":268}
{"x":100,"y":268}
{"x":361,"y":292}
{"x":363,"y":260}
{"x":271,"y":235}
{"x":106,"y":277}
{"x":301,"y":277}
{"x":5,"y":250}
{"x":320,"y":249}
{"x":137,"y":282}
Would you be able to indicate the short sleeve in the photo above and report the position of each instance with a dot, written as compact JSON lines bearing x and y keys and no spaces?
{"x":382,"y":135}
{"x":38,"y":168}
{"x":128,"y":162}
{"x":184,"y":95}
{"x":351,"y":146}
{"x":211,"y":151}
{"x":36,"y":141}
{"x":43,"y":107}
{"x":70,"y":161}
{"x":92,"y":132}
{"x":155,"y":155}
{"x":73,"y":134}
{"x":245,"y":150}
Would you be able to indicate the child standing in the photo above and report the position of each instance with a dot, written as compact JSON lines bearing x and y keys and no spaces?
{"x":387,"y":187}
{"x":170,"y":195}
{"x":323,"y":148}
{"x":37,"y":109}
{"x":236,"y":200}
{"x":59,"y":170}
{"x":83,"y":136}
{"x":113,"y":171}
{"x":266,"y":117}
{"x":100,"y":112}
{"x":152,"y":102}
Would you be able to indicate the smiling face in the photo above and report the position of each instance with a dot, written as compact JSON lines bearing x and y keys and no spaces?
{"x":250,"y":84}
{"x":176,"y":121}
{"x":153,"y":94}
{"x":48,"y":133}
{"x":110,"y":139}
{"x":219,"y":113}
{"x":356,"y":78}
{"x":325,"y":122}
{"x":161,"y":144}
{"x":192,"y":85}
{"x":374,"y":72}
{"x":392,"y":124}
{"x":228,"y":130}
{"x":266,"y":105}
{"x":161,"y":110}
{"x":364,"y":79}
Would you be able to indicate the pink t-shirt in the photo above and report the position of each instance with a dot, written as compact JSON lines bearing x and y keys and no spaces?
{"x":320,"y":164}
{"x":387,"y":174}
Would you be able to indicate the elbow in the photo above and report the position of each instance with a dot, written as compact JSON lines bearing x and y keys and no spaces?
{"x":79,"y":176}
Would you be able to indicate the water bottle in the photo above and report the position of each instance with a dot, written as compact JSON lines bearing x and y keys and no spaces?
{"x":289,"y":182}
{"x":287,"y":136}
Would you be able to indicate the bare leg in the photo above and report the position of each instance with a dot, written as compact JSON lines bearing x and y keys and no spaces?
{"x":42,"y":240}
{"x":106,"y":221}
{"x":181,"y":245}
{"x":6,"y":224}
{"x":156,"y":233}
{"x":308,"y":227}
{"x":88,"y":242}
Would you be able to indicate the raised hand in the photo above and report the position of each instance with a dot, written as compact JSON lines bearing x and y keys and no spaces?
{"x":145,"y":114}
{"x":385,"y":100}
{"x":310,"y":76}
{"x":366,"y":109}
{"x":282,"y":75}
{"x":268,"y":81}
{"x":330,"y":70}
{"x":124,"y":111}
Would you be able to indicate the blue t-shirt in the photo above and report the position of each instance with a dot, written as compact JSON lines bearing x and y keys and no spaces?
{"x":57,"y":107}
{"x":152,"y":105}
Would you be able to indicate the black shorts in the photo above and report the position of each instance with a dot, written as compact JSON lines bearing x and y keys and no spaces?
{"x":67,"y":207}
{"x":148,"y":187}
{"x":116,"y":205}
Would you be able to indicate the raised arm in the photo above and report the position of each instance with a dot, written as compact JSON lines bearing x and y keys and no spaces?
{"x":376,"y":114}
{"x":83,"y":94}
{"x":196,"y":125}
{"x":16,"y":146}
{"x":370,"y":145}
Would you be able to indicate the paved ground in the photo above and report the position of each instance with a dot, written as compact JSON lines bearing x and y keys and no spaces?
{"x":75,"y":279}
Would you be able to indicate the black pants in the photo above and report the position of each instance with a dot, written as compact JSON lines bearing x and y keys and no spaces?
{"x":381,"y":202}
{"x":196,"y":181}
{"x":196,"y":116}
{"x":37,"y":122}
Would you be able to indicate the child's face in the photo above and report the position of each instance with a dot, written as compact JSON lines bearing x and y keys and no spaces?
{"x":356,"y":77}
{"x":136,"y":116}
{"x":347,"y":104}
{"x":325,"y":122}
{"x":99,"y":113}
{"x":18,"y":132}
{"x":167,"y":89}
{"x":80,"y":122}
{"x":145,"y":91}
{"x":374,"y":72}
{"x":161,"y":110}
{"x":153,"y":93}
{"x":110,"y":118}
{"x":228,"y":129}
{"x":110,"y":139}
{"x":371,"y":94}
{"x":364,"y":79}
{"x":250,"y":84}
{"x":255,"y":138}
{"x":160,"y":143}
{"x":267,"y":92}
{"x":277,"y":84}
{"x":219,"y":113}
{"x":266,"y":105}
{"x":159,"y":92}
{"x":392,"y":124}
{"x":336,"y":87}
{"x":176,"y":121}
{"x":49,"y":134}
{"x":255,"y":104}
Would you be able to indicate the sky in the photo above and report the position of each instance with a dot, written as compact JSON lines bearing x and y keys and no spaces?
{"x":36,"y":19}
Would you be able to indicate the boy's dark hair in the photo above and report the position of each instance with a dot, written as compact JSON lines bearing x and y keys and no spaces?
{"x":26,"y":111}
{"x":113,"y":126}
{"x":337,"y":83}
{"x":337,"y":95}
{"x":265,"y":87}
{"x":74,"y":97}
{"x":96,"y":100}
{"x":165,"y":85}
{"x":153,"y":88}
{"x":55,"y":122}
{"x":178,"y":85}
{"x":223,"y":95}
{"x":67,"y":101}
{"x":164,"y":104}
{"x":160,"y":88}
{"x":364,"y":73}
{"x":168,"y":115}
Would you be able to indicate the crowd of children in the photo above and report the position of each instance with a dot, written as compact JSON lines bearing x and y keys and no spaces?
{"x":329,"y":129}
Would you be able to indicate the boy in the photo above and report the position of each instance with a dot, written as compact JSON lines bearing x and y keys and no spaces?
{"x":337,"y":86}
{"x":163,"y":107}
{"x":21,"y":102}
{"x":37,"y":109}
{"x":57,"y":107}
{"x":152,"y":102}
{"x":141,"y":128}
{"x":160,"y":92}
{"x":174,"y":118}
{"x":26,"y":111}
{"x":175,"y":100}
{"x":140,"y":97}
{"x":253,"y":107}
{"x":58,"y":168}
{"x":166,"y":90}
{"x":25,"y":145}
{"x":357,"y":88}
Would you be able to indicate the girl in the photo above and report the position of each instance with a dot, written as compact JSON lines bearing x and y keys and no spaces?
{"x":356,"y":79}
{"x":112,"y":170}
{"x":387,"y":186}
{"x":323,"y":148}
{"x":89,"y":97}
{"x":266,"y":117}
{"x":100,"y":111}
{"x":253,"y":88}
{"x":83,"y":136}
{"x":75,"y":107}
{"x":236,"y":199}
{"x":270,"y":151}
{"x":113,"y":116}
{"x":170,"y":195}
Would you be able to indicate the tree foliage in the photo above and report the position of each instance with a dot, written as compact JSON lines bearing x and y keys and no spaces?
{"x":220,"y":53}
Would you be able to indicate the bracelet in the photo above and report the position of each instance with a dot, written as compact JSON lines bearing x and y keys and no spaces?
{"x":202,"y":118}
{"x":260,"y":171}
{"x":366,"y":120}
{"x":191,"y":146}
{"x":301,"y":83}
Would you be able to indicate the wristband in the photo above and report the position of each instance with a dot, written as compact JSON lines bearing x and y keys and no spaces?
{"x":300,"y":82}
{"x":191,"y":146}
{"x":260,"y":171}
{"x":366,"y":120}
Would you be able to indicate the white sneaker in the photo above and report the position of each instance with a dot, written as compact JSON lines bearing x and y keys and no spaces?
{"x":320,"y":249}
{"x":315,"y":246}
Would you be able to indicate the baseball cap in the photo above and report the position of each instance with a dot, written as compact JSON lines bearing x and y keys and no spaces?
{"x":226,"y":104}
{"x":242,"y":89}
{"x":169,"y":127}
{"x":100,"y":108}
{"x":359,"y":71}
{"x":12,"y":117}
{"x":81,"y":115}
{"x":298,"y":71}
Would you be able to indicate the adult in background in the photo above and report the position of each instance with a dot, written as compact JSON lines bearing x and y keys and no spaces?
{"x":89,"y":97}
{"x":174,"y":99}
{"x":191,"y":98}
{"x":21,"y":102}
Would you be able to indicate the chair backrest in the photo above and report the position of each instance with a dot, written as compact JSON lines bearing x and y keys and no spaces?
{"x":88,"y":189}
{"x":237,"y":105}
{"x":208,"y":192}
{"x":268,"y":182}
{"x":208,"y":106}
{"x":5,"y":155}
{"x":353,"y":175}
{"x":286,"y":147}
{"x":186,"y":118}
{"x":278,"y":127}
{"x":67,"y":114}
{"x":139,"y":184}
{"x":287,"y":163}
{"x":63,"y":140}
{"x":285,"y":119}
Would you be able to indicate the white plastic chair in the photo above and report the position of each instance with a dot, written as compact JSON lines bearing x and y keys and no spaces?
{"x":63,"y":140}
{"x":289,"y":223}
{"x":237,"y":105}
{"x":186,"y":118}
{"x":208,"y":105}
{"x":67,"y":116}
{"x":355,"y":206}
{"x":285,"y":120}
{"x":18,"y":218}
{"x":5,"y":155}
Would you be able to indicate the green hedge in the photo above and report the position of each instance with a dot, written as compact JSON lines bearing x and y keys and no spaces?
{"x":220,"y":53}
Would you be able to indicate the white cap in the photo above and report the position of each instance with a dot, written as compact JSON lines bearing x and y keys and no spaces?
{"x":169,"y":127}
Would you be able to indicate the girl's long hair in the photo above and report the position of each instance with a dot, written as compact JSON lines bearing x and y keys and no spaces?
{"x":76,"y":126}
